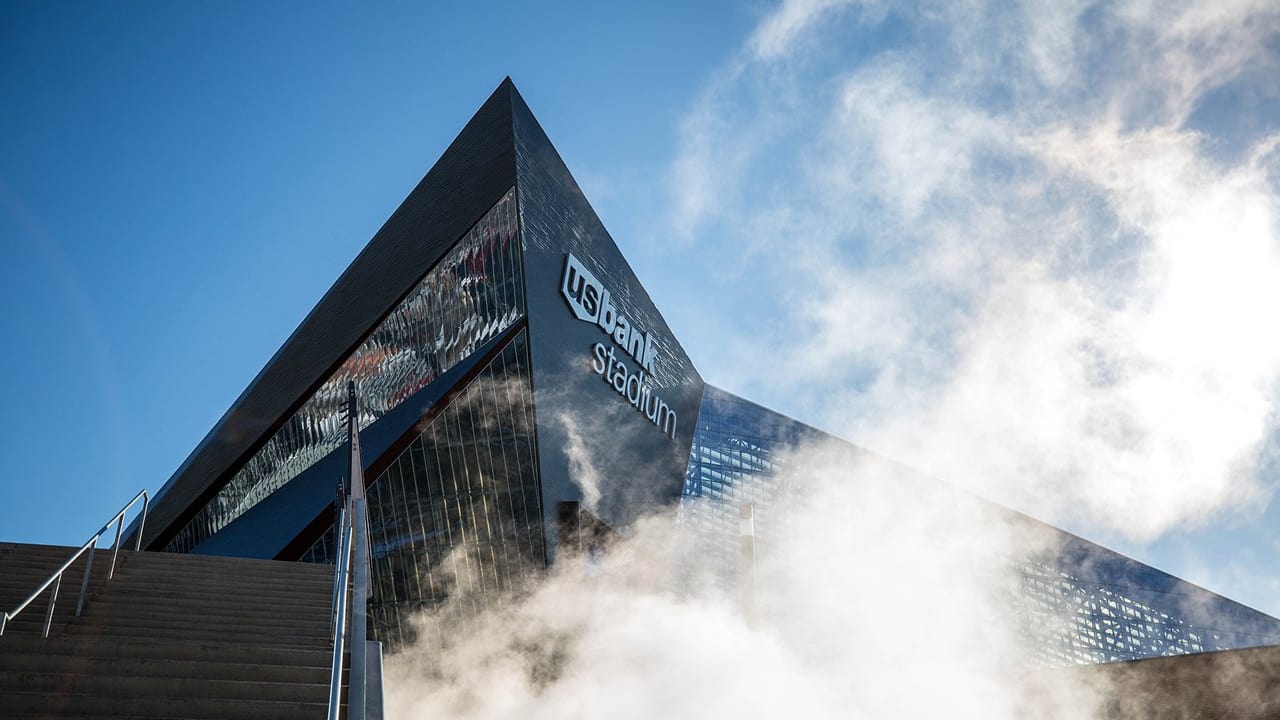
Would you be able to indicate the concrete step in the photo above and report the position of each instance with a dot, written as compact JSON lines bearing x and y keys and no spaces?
{"x":15,"y":590}
{"x":33,"y":623}
{"x":18,"y":564}
{"x":166,"y":667}
{"x":170,"y":636}
{"x":315,"y":605}
{"x":197,"y":634}
{"x":315,"y":597}
{"x":187,"y":607}
{"x":26,"y":580}
{"x":195,"y":584}
{"x":146,"y":558}
{"x":304,"y":606}
{"x":46,"y":705}
{"x":11,"y":600}
{"x":139,"y":608}
{"x":152,"y":648}
{"x":128,"y":584}
{"x":272,"y":568}
{"x":165,"y":686}
{"x":144,"y":627}
{"x":199,"y":627}
{"x":248,"y":578}
{"x":23,"y":550}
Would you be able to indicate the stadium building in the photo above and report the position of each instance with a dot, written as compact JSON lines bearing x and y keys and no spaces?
{"x":493,"y":330}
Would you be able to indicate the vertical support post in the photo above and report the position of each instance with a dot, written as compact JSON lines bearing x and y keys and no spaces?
{"x":53,"y":600}
{"x":111,"y":571}
{"x":747,"y":566}
{"x":340,"y":539}
{"x":88,"y":569}
{"x":142,"y":523}
{"x":335,"y":684}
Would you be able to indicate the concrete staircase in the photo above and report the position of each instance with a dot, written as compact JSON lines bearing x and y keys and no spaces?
{"x":171,"y":636}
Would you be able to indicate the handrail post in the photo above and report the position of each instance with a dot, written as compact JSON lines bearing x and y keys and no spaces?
{"x":88,"y":569}
{"x":111,"y":572}
{"x":335,"y":681}
{"x":53,"y":600}
{"x":142,"y":523}
{"x":339,"y":537}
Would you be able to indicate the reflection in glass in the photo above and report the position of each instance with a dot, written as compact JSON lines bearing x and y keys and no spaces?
{"x":473,"y":293}
{"x":457,"y":515}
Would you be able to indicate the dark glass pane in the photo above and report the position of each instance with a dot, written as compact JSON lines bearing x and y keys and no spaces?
{"x":442,"y":519}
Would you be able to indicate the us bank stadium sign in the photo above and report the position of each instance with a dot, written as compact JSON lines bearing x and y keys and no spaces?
{"x":591,"y":301}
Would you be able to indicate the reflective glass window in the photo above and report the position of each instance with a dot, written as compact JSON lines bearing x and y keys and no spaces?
{"x":457,"y":515}
{"x":474,"y":293}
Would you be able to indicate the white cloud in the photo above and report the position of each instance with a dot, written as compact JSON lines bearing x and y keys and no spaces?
{"x":1008,"y":258}
{"x":779,"y":30}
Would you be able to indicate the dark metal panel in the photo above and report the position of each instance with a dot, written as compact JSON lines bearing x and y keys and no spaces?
{"x":595,"y":447}
{"x":474,"y":172}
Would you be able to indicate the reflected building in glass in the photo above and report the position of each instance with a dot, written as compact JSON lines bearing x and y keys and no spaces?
{"x":503,"y":349}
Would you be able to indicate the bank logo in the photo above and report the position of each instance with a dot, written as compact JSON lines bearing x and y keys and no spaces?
{"x":591,"y":301}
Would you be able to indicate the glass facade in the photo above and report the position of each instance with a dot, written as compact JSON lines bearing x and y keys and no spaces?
{"x":1076,"y":604}
{"x":475,"y":292}
{"x":1070,"y":620}
{"x":457,"y":514}
{"x":733,"y":461}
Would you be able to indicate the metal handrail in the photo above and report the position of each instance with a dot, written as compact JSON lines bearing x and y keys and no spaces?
{"x":352,"y":531}
{"x":348,"y":619}
{"x":91,"y":544}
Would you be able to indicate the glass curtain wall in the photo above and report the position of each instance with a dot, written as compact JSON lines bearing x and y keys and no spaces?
{"x":474,"y":293}
{"x":1068,"y":611}
{"x":1074,"y":621}
{"x":457,"y":515}
{"x":733,"y":461}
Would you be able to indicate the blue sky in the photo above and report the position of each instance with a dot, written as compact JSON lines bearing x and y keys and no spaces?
{"x":1030,"y":250}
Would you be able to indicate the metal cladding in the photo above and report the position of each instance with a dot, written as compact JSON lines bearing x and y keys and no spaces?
{"x":615,"y":439}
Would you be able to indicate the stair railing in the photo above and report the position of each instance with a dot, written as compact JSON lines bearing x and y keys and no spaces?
{"x":89,"y":546}
{"x":352,"y":565}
